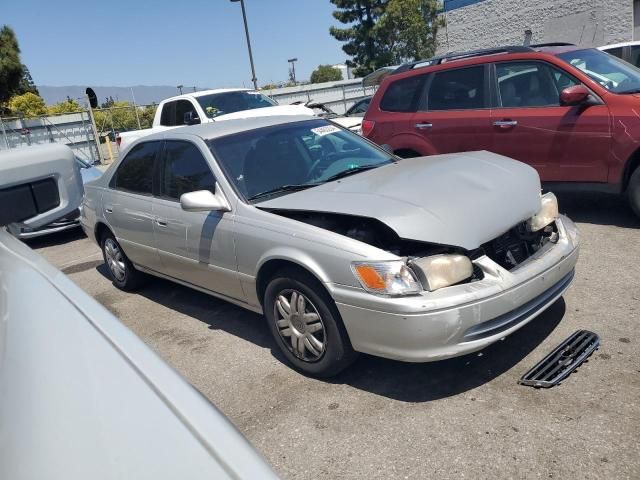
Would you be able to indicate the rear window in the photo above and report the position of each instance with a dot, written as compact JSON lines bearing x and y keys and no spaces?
{"x":402,"y":95}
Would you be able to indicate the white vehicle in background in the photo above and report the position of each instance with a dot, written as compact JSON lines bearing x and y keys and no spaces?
{"x":211,"y":106}
{"x":627,"y":51}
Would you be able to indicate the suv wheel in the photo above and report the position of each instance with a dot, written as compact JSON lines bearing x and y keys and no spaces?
{"x":306,"y":324}
{"x":633,"y":191}
{"x":123,"y":273}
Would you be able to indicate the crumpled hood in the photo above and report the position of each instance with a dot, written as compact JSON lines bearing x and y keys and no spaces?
{"x":461,"y":199}
{"x":268,"y":112}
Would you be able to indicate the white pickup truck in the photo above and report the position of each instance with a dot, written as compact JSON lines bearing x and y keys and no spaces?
{"x":211,"y":106}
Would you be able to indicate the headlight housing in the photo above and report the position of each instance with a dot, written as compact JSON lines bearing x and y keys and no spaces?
{"x":548,"y":213}
{"x":386,"y":278}
{"x":443,"y":270}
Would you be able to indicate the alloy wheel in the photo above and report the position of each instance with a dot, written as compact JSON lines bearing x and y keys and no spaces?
{"x":300,"y":325}
{"x":115,"y":259}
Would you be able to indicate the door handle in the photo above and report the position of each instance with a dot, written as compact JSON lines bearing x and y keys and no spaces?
{"x":423,"y":126}
{"x":505,"y":123}
{"x":161,"y":222}
{"x":108,"y":210}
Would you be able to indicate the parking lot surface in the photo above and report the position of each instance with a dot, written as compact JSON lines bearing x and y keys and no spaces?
{"x":460,"y":418}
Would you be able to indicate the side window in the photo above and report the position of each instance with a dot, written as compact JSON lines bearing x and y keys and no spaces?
{"x":634,"y":59}
{"x":168,"y":117}
{"x":402,"y":95}
{"x":530,"y":84}
{"x":135,"y":173}
{"x":184,"y":170}
{"x":182,"y":107}
{"x":460,"y":89}
{"x":616,"y":52}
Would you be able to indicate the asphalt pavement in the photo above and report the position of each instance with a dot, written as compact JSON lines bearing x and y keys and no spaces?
{"x":460,"y":418}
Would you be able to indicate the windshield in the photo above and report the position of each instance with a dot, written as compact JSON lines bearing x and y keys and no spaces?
{"x":217,"y":104}
{"x":292,"y":156}
{"x":612,"y":73}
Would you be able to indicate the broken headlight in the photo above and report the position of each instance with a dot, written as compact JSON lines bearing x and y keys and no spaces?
{"x":443,"y":270}
{"x":548,"y":213}
{"x":386,"y":278}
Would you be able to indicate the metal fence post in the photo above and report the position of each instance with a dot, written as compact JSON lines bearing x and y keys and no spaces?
{"x":4,"y":134}
{"x":344,"y":98}
{"x":86,"y":132}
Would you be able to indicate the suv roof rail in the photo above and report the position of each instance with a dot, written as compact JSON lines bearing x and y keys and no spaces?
{"x":552,"y":44}
{"x":459,"y":55}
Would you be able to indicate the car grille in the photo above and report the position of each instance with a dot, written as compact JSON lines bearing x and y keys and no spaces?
{"x":518,"y":244}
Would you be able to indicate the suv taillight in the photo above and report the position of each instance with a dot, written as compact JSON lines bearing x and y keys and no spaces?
{"x":367,"y":127}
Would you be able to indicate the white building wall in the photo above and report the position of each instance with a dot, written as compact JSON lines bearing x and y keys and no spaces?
{"x":490,"y":23}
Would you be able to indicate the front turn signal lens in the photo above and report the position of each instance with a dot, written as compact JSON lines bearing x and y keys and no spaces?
{"x":548,"y":213}
{"x":386,"y":278}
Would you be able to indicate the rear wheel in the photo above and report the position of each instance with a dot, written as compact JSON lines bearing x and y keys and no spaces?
{"x":633,"y":191}
{"x":306,"y":324}
{"x":123,"y":273}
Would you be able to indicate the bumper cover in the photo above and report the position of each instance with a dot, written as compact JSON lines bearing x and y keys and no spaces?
{"x":461,"y":319}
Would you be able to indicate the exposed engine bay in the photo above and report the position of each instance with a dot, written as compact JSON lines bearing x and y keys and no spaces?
{"x":367,"y":230}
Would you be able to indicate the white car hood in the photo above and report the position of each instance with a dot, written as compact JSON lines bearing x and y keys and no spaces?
{"x":462,"y":199}
{"x":352,"y":123}
{"x":267,"y":112}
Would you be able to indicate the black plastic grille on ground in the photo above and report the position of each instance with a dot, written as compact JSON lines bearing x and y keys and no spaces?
{"x":563,"y":360}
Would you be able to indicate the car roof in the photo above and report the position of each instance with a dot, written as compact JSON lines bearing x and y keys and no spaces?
{"x":206,"y":92}
{"x":208,"y":131}
{"x":618,"y":45}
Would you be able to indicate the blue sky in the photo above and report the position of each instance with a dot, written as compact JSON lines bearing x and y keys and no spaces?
{"x":194,"y":42}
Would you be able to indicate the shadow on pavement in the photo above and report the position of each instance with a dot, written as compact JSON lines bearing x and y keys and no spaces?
{"x":597,"y":208}
{"x":409,"y":382}
{"x":57,"y":238}
{"x":423,"y":382}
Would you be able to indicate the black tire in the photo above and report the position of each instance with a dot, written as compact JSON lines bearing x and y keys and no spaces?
{"x":126,"y":277}
{"x":633,"y":191}
{"x":337,"y":352}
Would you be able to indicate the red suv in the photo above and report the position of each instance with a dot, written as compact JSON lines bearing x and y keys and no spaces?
{"x":572,"y":113}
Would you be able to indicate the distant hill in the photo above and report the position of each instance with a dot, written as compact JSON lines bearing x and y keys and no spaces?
{"x":144,"y":94}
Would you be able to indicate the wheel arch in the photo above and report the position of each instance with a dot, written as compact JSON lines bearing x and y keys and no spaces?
{"x":100,"y":230}
{"x":630,"y":166}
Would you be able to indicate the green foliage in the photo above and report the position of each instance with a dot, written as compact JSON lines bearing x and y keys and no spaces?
{"x":11,"y":71}
{"x":325,"y":73}
{"x":409,"y":29}
{"x":359,"y":38}
{"x":67,"y":106}
{"x":26,"y":82}
{"x":121,"y":116}
{"x":27,"y":105}
{"x":386,"y":32}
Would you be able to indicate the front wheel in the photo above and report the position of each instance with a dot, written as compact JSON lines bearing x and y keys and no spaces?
{"x":306,"y":324}
{"x":633,"y":191}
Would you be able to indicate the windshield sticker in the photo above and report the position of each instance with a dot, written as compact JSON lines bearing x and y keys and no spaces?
{"x":325,"y":130}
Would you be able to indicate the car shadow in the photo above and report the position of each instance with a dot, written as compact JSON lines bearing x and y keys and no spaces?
{"x":409,"y":382}
{"x":597,"y":208}
{"x":57,"y":238}
{"x":424,"y":382}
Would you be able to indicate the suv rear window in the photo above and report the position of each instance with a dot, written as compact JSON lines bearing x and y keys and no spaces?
{"x":460,"y":89}
{"x":402,"y":95}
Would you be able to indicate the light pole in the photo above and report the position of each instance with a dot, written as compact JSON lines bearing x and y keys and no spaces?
{"x":293,"y":61}
{"x":246,"y":31}
{"x":179,"y":87}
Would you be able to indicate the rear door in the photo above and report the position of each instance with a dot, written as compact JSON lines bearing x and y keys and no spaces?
{"x":127,"y":204}
{"x":196,"y":247}
{"x":454,"y":114}
{"x":563,"y":143}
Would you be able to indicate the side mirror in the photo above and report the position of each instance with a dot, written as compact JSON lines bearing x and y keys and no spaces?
{"x":575,"y":95}
{"x":190,"y":118}
{"x":203,"y":201}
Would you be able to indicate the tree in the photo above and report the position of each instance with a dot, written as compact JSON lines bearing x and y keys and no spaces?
{"x":325,"y":73}
{"x":26,"y":82}
{"x":67,"y":106}
{"x":360,"y":39}
{"x":27,"y":105}
{"x":408,"y":28}
{"x":11,"y":72}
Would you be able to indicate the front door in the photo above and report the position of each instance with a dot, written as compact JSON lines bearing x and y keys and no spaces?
{"x":563,"y":143}
{"x":127,"y":204}
{"x":196,"y":247}
{"x":454,"y":114}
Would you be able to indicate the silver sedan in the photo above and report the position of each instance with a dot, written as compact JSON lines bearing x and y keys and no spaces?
{"x":343,"y":247}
